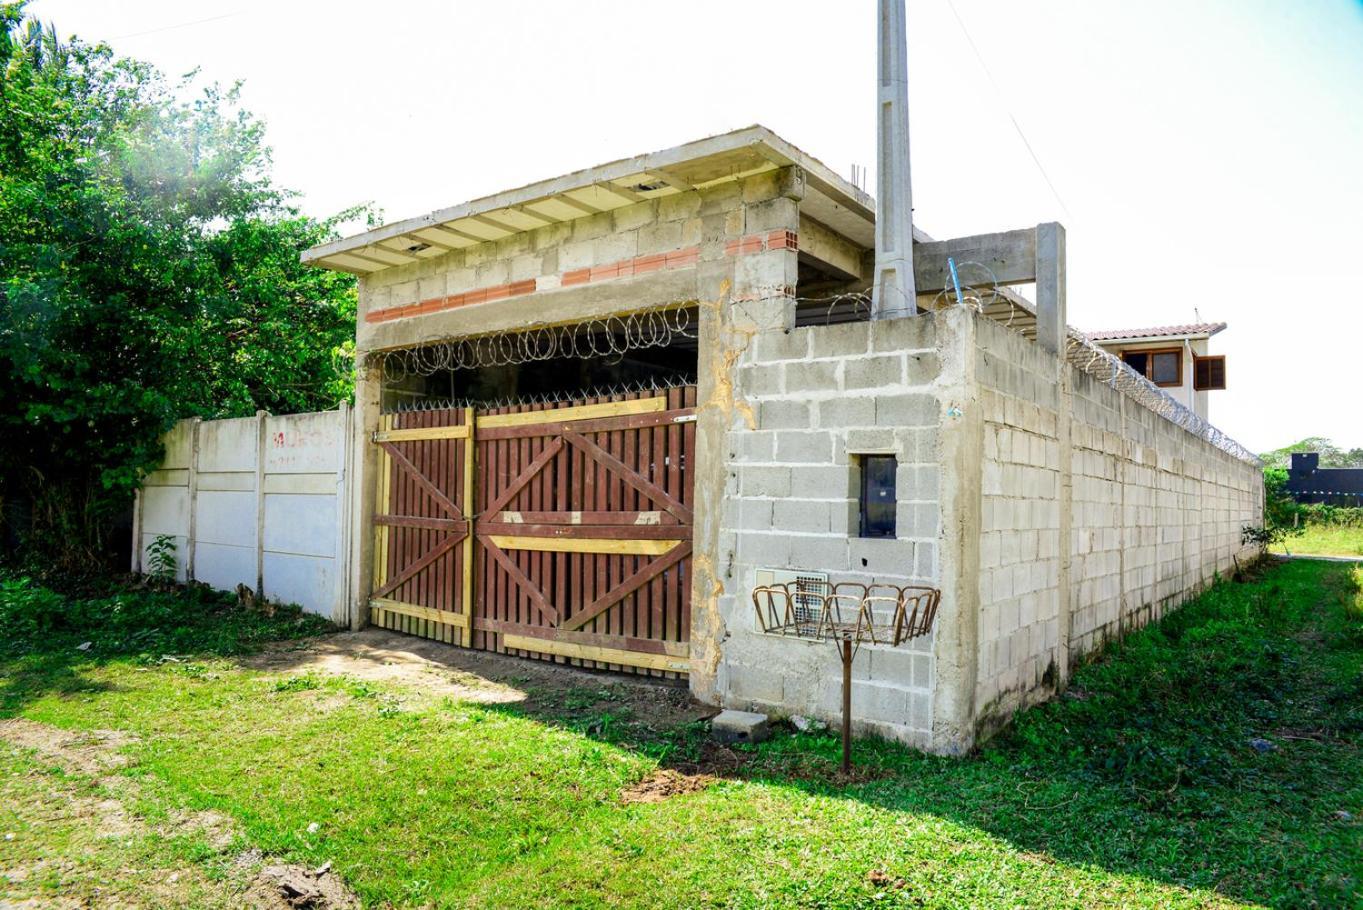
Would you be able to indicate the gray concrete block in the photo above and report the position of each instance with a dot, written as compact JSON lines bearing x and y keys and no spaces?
{"x":912,"y":410}
{"x":819,"y":482}
{"x":906,"y":334}
{"x":825,"y":554}
{"x":793,"y":345}
{"x":847,"y":412}
{"x":761,"y":549}
{"x":739,"y":727}
{"x":811,"y":376}
{"x":780,"y":414}
{"x":922,"y":368}
{"x":815,"y":447}
{"x":873,"y":372}
{"x":764,"y":480}
{"x":760,"y":379}
{"x":678,"y":207}
{"x":799,"y":515}
{"x":848,"y":339}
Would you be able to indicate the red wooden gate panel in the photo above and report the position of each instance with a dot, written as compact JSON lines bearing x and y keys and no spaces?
{"x":584,"y":530}
{"x":423,"y":547}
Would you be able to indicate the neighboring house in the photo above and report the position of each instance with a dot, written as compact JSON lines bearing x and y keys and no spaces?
{"x":1174,"y":357}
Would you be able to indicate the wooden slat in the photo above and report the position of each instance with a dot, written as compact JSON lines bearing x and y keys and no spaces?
{"x":619,"y":546}
{"x":416,"y":611}
{"x":423,"y":433}
{"x":564,"y":515}
{"x":466,"y":582}
{"x":551,"y":427}
{"x":570,"y":531}
{"x":579,"y":412}
{"x":646,"y":645}
{"x":603,"y":655}
{"x":411,"y":521}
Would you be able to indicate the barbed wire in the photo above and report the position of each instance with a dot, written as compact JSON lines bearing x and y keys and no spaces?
{"x":608,"y":338}
{"x":607,"y":390}
{"x":612,"y":337}
{"x":1106,"y":367}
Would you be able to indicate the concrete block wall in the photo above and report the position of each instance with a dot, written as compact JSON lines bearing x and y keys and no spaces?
{"x":1097,"y":516}
{"x":1020,"y":521}
{"x":816,"y":398}
{"x":1160,"y":513}
{"x":631,"y":258}
{"x":258,"y":501}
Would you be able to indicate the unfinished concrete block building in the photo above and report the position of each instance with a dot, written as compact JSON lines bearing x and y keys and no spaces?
{"x":596,"y":411}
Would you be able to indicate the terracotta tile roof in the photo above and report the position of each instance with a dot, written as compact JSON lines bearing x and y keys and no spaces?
{"x":1163,"y":331}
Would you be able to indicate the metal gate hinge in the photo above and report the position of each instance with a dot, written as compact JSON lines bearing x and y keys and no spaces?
{"x":685,"y":418}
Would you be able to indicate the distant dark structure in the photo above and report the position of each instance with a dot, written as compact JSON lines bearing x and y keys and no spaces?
{"x":1308,"y":482}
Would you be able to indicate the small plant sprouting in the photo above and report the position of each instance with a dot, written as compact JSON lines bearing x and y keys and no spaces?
{"x":161,"y":558}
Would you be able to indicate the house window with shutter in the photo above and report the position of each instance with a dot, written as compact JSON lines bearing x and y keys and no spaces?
{"x":1209,"y":372}
{"x":1163,"y":368}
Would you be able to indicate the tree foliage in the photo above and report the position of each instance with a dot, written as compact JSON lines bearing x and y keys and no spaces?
{"x":1331,"y":455}
{"x":149,"y":271}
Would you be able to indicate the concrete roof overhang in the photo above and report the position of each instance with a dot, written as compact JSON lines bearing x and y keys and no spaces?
{"x":829,"y":199}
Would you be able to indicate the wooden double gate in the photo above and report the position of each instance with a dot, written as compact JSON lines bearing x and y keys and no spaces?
{"x":558,"y":531}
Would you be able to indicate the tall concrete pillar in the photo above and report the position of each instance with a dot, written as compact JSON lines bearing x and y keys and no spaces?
{"x":740,"y":299}
{"x":894,"y":292}
{"x":364,"y":477}
{"x":956,"y":639}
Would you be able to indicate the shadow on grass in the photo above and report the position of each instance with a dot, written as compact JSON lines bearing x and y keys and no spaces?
{"x":1220,"y":749}
{"x":39,"y":675}
{"x":49,"y":642}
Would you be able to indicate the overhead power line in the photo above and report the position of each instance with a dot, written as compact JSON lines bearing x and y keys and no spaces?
{"x":1002,"y":100}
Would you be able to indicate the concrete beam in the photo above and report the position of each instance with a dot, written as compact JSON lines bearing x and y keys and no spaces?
{"x":832,"y":251}
{"x":1009,"y":256}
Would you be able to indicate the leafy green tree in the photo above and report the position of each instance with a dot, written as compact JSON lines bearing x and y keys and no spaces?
{"x":149,"y":271}
{"x":1331,"y":455}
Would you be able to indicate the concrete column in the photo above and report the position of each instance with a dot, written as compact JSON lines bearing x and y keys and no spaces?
{"x":960,"y":457}
{"x":1052,"y":336}
{"x":1065,"y":437}
{"x":192,"y":534}
{"x":1050,"y":287}
{"x":365,"y":462}
{"x":740,"y":298}
{"x":260,"y":503}
{"x":894,"y":293}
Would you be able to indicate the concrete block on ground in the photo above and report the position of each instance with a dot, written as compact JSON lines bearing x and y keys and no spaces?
{"x":739,"y":727}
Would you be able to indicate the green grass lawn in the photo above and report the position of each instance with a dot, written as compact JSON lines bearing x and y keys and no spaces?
{"x":1140,"y":788}
{"x":1325,"y":540}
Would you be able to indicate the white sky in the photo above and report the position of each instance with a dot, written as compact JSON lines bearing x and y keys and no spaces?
{"x":1209,"y":153}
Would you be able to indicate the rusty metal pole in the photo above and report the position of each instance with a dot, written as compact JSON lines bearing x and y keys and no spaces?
{"x":846,"y":705}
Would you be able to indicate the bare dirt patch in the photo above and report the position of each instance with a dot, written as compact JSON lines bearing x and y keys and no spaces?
{"x":83,"y":751}
{"x":433,"y":669}
{"x":374,"y":655}
{"x":664,"y":784}
{"x":292,"y":887}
